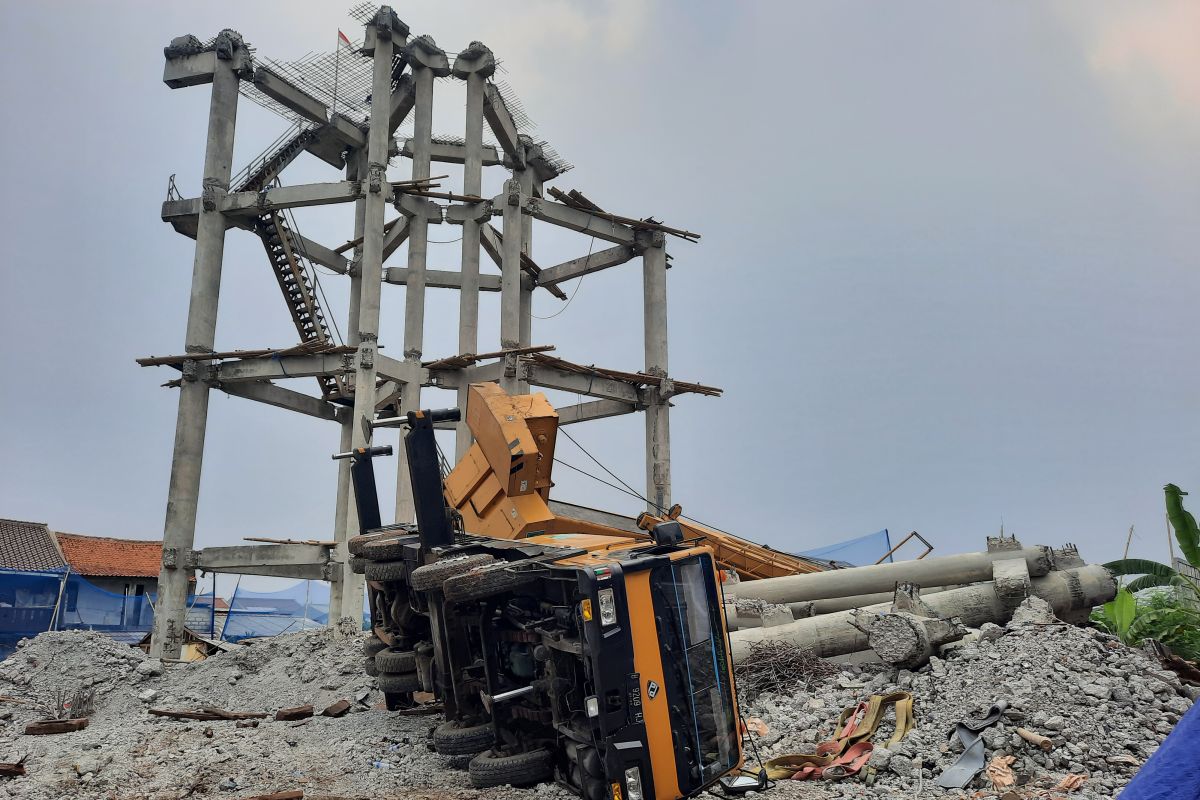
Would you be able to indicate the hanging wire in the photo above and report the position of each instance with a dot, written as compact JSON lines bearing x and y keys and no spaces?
{"x":575,"y":292}
{"x":625,"y":488}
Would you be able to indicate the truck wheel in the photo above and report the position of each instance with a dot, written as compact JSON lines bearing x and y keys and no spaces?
{"x":490,"y":769}
{"x":358,"y":565}
{"x":452,"y":739}
{"x":397,"y":682}
{"x":393,"y":660}
{"x":386,"y":549}
{"x":369,"y":666}
{"x":386,"y":570}
{"x":372,"y":646}
{"x":485,"y":582}
{"x":431,"y":576}
{"x":356,"y":543}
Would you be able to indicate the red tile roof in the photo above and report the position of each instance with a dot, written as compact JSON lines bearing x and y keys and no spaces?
{"x":99,"y":555}
{"x":28,"y":546}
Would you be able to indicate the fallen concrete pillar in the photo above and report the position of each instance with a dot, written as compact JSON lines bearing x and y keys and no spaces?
{"x":906,"y":639}
{"x":1069,"y":593}
{"x":944,"y":571}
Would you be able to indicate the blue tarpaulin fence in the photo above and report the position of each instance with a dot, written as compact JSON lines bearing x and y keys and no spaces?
{"x":34,"y":602}
{"x":300,"y":607}
{"x":856,"y":552}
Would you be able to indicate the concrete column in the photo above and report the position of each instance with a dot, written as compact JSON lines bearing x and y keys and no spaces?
{"x":345,"y":524}
{"x":382,"y":31}
{"x":658,"y":426}
{"x":960,"y":568}
{"x":473,"y":65}
{"x":179,"y":529}
{"x":510,"y":282}
{"x":1069,"y":593}
{"x":428,"y":61}
{"x":531,"y":186}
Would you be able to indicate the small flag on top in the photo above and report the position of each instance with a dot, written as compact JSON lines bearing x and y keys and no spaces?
{"x":344,"y":38}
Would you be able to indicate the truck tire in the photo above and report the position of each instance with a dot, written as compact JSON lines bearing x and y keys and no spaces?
{"x":386,"y":549}
{"x":398,"y":682}
{"x":431,"y":576}
{"x":386,"y":570}
{"x":372,"y":646}
{"x":452,"y":739}
{"x":490,"y":769}
{"x":369,"y":666}
{"x":485,"y":582}
{"x":358,"y":565}
{"x":355,"y":544}
{"x":393,"y":660}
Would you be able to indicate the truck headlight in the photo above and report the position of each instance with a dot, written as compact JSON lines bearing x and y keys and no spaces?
{"x":608,"y":607}
{"x":633,"y":784}
{"x":592,"y":706}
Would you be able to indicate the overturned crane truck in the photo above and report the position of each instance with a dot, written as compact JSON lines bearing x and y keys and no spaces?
{"x":598,"y":660}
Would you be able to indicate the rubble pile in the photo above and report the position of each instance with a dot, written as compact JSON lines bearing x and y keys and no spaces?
{"x":127,"y":754}
{"x":1104,"y":707}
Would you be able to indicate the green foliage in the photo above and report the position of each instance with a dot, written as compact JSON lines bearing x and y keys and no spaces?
{"x":1117,"y":615}
{"x":1171,"y":614}
{"x":1187,"y":533}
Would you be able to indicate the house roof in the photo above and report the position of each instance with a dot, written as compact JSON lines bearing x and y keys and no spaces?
{"x":28,"y":546}
{"x":102,"y":556}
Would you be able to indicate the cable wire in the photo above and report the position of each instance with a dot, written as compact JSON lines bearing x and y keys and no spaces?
{"x":575,"y":292}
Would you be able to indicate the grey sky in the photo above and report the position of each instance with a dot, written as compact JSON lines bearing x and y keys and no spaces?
{"x":948,"y":276}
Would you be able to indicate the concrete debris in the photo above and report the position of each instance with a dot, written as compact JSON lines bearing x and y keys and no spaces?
{"x":1102,"y":707}
{"x":130,"y":754}
{"x":1099,"y":736}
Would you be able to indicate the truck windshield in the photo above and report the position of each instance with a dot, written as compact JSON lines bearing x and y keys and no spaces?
{"x":695,"y":669}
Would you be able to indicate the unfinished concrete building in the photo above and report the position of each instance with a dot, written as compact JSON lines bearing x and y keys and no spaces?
{"x":345,"y":108}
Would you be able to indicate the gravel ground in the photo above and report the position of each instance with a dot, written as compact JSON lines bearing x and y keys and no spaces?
{"x":1101,"y":703}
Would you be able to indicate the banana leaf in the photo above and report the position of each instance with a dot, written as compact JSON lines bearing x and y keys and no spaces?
{"x":1140,"y":566}
{"x":1187,"y":533}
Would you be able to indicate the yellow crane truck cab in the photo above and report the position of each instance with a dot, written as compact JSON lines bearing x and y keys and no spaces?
{"x":607,"y":655}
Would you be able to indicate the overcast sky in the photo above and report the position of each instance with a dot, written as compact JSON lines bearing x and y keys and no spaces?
{"x":948,"y":277}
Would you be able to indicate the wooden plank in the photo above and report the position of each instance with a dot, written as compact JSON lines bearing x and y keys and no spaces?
{"x":292,"y":714}
{"x":47,"y":727}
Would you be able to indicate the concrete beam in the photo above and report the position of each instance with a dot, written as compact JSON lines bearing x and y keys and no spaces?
{"x":590,"y":385}
{"x":305,"y":561}
{"x":280,"y":397}
{"x":442,"y":279}
{"x":300,"y":196}
{"x":402,"y":371}
{"x":577,"y":219}
{"x":257,"y":369}
{"x":395,"y":236}
{"x":500,"y":120}
{"x":320,"y":254}
{"x":578,"y":267}
{"x":454,"y":153}
{"x":190,"y":70}
{"x":288,"y":94}
{"x":404,"y":97}
{"x":461,"y":378}
{"x":596,"y":409}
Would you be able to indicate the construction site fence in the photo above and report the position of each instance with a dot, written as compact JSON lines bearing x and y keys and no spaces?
{"x":300,"y":607}
{"x":33,"y":602}
{"x":858,"y":552}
